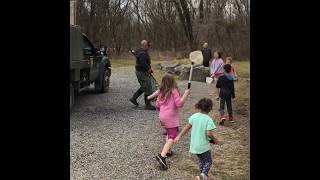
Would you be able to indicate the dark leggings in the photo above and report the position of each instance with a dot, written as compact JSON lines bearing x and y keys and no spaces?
{"x":205,"y":161}
{"x":224,"y":101}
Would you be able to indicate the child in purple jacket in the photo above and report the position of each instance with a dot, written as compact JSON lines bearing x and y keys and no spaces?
{"x":216,"y":69}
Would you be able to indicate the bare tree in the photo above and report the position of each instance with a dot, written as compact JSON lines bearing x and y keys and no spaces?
{"x":171,"y":25}
{"x":185,"y":18}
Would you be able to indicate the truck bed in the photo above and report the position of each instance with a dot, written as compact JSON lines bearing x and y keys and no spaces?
{"x":76,"y":43}
{"x":79,"y":64}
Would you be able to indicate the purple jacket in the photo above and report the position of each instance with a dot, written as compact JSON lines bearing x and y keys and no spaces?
{"x":216,"y":67}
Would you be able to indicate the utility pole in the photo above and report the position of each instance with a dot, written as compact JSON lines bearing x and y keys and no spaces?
{"x":73,"y":12}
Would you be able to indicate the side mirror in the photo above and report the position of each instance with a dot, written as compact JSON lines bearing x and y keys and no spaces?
{"x":87,"y":51}
{"x":97,"y":51}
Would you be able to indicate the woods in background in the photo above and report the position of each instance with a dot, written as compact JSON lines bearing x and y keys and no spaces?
{"x":174,"y":26}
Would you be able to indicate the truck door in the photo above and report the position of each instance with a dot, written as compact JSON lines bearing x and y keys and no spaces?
{"x":88,"y":51}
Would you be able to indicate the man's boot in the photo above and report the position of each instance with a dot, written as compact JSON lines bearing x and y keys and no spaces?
{"x":148,"y":104}
{"x":135,"y":96}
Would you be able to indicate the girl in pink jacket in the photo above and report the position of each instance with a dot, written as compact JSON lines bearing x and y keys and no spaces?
{"x":168,"y":103}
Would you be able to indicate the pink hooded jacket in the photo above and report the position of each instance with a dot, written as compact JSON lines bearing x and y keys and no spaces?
{"x":169,"y":114}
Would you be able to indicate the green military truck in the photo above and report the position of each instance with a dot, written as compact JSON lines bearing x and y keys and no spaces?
{"x":87,"y":65}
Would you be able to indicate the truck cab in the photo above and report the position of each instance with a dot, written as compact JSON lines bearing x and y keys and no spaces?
{"x":87,"y":65}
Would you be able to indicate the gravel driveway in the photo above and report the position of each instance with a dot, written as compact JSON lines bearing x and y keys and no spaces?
{"x":111,"y":139}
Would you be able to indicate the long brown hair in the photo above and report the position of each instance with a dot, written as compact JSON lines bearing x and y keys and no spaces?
{"x":168,"y":83}
{"x":219,"y":53}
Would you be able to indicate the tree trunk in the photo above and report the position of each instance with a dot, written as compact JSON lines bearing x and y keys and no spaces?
{"x":201,"y":11}
{"x":185,"y":18}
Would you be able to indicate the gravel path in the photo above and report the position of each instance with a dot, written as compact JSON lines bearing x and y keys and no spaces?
{"x":110,"y":139}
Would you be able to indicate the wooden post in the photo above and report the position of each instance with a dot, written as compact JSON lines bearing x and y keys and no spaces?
{"x":73,"y":14}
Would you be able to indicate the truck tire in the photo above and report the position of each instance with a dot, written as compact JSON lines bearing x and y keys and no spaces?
{"x":108,"y":74}
{"x":102,"y":85}
{"x":71,"y":96}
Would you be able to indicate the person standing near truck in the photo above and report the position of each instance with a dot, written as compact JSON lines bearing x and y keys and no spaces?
{"x":143,"y":73}
{"x":103,"y":50}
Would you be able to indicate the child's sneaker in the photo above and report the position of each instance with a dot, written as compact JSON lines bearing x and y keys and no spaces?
{"x":134,"y":101}
{"x":201,"y":177}
{"x":222,"y":120}
{"x":162,"y":161}
{"x":231,"y":119}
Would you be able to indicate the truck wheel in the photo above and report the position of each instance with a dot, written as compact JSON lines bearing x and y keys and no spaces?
{"x":71,"y":96}
{"x":107,"y":79}
{"x":102,"y":85}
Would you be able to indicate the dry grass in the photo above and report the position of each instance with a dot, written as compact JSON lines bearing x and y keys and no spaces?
{"x":115,"y":63}
{"x":243,"y":68}
{"x":231,"y":159}
{"x":242,"y":86}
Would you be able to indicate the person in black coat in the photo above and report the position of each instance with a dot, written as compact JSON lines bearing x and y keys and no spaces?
{"x":206,"y":52}
{"x":143,"y":71}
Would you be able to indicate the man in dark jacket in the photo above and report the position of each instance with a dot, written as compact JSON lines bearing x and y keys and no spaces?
{"x":143,"y":73}
{"x":206,"y":52}
{"x":226,"y":85}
